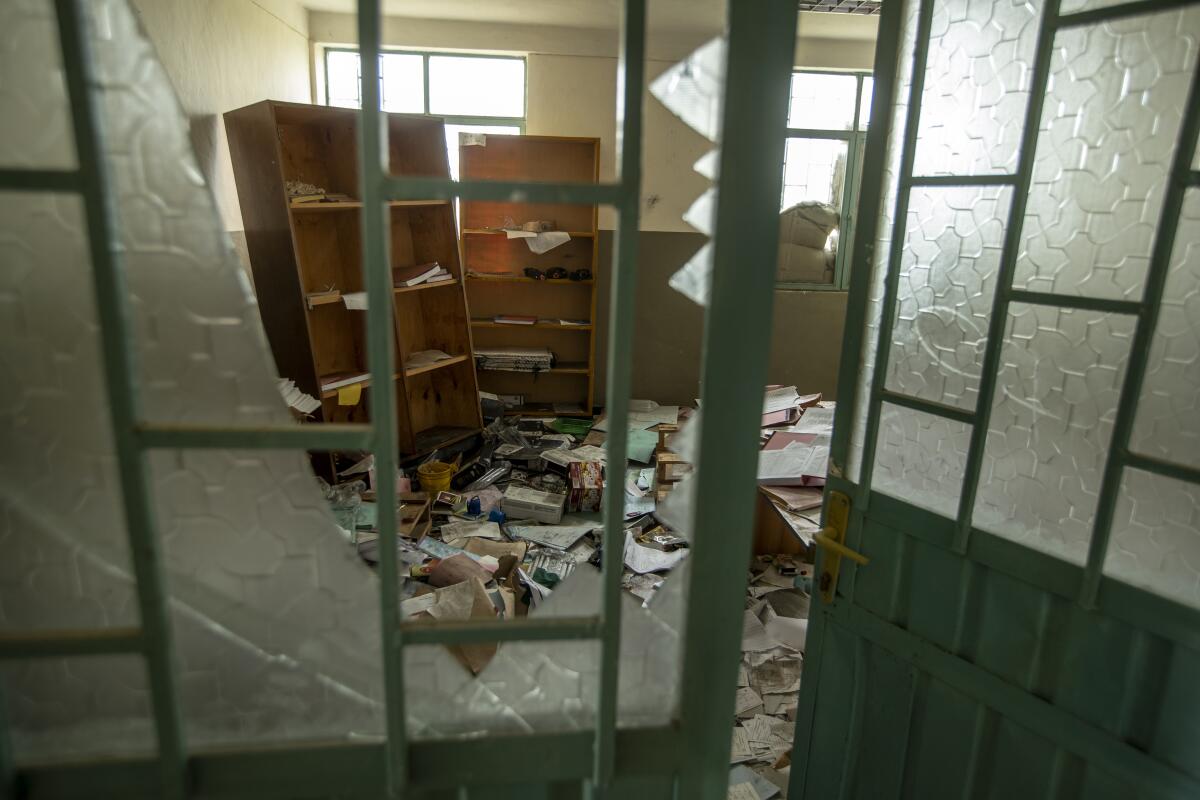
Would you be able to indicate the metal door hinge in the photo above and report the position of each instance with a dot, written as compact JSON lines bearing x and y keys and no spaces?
{"x":832,"y":539}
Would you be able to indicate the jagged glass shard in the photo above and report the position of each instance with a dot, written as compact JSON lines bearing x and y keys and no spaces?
{"x":34,"y":108}
{"x":709,"y":164}
{"x":552,"y":686}
{"x":694,"y":278}
{"x":692,"y":89}
{"x":686,"y":441}
{"x":701,"y":215}
{"x":678,"y":509}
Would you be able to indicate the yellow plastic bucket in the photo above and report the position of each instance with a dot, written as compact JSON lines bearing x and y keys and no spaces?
{"x":435,"y":476}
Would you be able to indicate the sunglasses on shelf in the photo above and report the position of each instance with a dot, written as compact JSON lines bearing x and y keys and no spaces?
{"x":558,"y":274}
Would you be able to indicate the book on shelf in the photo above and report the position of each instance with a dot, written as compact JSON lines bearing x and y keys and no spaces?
{"x":440,"y":277}
{"x":514,"y":359}
{"x":413,"y":276}
{"x":337,"y":380}
{"x":514,"y":319}
{"x":574,"y":323}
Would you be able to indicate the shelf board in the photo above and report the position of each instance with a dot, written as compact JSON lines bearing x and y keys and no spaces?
{"x":540,"y":412}
{"x":420,"y":286}
{"x":447,"y":362}
{"x":563,"y":368}
{"x":365,"y":382}
{"x":523,"y":279}
{"x":441,"y":436}
{"x":571,"y":368}
{"x":314,"y":299}
{"x":487,"y":323}
{"x":492,"y":232}
{"x":348,"y":205}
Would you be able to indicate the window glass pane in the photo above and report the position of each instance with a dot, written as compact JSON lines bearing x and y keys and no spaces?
{"x":452,"y":132}
{"x":341,"y":69}
{"x":477,"y":87}
{"x":814,"y":169}
{"x":403,"y":83}
{"x":822,"y":101}
{"x":864,"y":105}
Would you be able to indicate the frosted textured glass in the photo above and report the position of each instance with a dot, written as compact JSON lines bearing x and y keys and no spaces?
{"x":1052,"y":416}
{"x":1155,"y":541}
{"x":1071,"y":6}
{"x":976,"y":86}
{"x":275,"y":619}
{"x":33,"y":96}
{"x":1167,"y":424}
{"x":552,"y":686}
{"x":952,"y":248}
{"x":1108,"y":132}
{"x":920,"y":458}
{"x":66,"y":705}
{"x":878,"y":266}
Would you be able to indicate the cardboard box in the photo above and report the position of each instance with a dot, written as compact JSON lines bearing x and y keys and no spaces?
{"x":586,"y":486}
{"x":521,"y":502}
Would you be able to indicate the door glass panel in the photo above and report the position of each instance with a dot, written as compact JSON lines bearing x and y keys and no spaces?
{"x":1108,"y":131}
{"x":976,"y":87}
{"x":1155,"y":541}
{"x":883,"y":237}
{"x":39,"y":95}
{"x":952,"y":247}
{"x":1168,"y":416}
{"x":920,"y":458}
{"x":1052,"y":414}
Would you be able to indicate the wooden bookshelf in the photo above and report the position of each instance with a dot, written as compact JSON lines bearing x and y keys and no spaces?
{"x":306,"y":256}
{"x":496,"y":284}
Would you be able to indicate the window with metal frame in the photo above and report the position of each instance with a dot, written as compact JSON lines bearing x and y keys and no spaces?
{"x":472,"y":92}
{"x":828,"y":113}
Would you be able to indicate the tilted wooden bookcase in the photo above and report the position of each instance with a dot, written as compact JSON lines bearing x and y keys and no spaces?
{"x":497,"y":284}
{"x":300,"y":252}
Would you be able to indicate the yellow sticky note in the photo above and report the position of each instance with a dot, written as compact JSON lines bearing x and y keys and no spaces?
{"x":349,"y":395}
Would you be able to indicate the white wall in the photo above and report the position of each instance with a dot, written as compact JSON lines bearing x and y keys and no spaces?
{"x":224,"y":54}
{"x":572,"y":87}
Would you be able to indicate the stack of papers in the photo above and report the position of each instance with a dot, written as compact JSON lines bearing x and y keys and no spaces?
{"x":301,"y":401}
{"x":514,"y":359}
{"x":425,"y":358}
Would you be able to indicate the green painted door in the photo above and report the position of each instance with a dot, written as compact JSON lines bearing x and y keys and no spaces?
{"x":1017,"y":426}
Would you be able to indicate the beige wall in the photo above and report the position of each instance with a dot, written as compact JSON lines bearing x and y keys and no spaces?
{"x":224,"y":54}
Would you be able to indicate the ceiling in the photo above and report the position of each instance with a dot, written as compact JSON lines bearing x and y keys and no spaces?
{"x":662,"y":14}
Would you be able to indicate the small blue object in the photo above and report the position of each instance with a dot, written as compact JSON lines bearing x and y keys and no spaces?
{"x":496,"y":516}
{"x":473,"y":507}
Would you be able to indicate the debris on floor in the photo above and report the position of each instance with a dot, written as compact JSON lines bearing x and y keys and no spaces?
{"x":507,"y":522}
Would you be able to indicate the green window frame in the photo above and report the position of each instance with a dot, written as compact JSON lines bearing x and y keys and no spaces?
{"x":855,"y":138}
